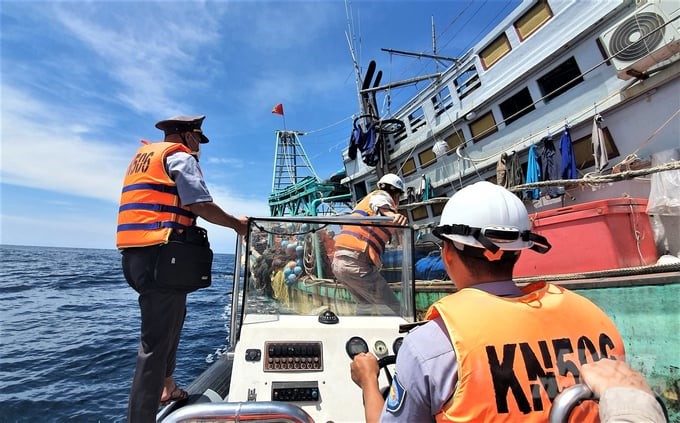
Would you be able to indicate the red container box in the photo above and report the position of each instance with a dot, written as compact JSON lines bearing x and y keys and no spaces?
{"x":599,"y":235}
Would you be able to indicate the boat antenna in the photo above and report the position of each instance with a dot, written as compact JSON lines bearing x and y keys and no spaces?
{"x":350,"y":36}
{"x":434,"y":45}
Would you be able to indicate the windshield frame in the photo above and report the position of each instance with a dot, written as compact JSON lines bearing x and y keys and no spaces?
{"x":242,"y":291}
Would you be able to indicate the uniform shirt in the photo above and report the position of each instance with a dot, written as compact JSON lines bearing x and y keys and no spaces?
{"x":427,"y":368}
{"x":628,"y":405}
{"x":183,"y":168}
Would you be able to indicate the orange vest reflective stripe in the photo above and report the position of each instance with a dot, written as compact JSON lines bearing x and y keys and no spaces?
{"x":368,"y":239}
{"x":150,"y":207}
{"x":516,"y":354}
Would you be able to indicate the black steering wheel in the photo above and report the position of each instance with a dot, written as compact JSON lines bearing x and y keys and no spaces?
{"x":382,"y":364}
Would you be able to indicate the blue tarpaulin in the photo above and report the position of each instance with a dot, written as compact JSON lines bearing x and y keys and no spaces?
{"x":533,"y":174}
{"x":568,"y":161}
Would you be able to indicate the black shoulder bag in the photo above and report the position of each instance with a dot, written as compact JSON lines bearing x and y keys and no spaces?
{"x":185,"y":263}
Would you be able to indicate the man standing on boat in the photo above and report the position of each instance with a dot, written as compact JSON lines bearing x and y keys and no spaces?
{"x":492,"y":351}
{"x":358,"y":249}
{"x":163,"y":194}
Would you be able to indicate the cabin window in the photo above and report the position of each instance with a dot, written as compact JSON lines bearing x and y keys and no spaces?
{"x":360,"y":190}
{"x":408,"y":167}
{"x":483,"y":126}
{"x":561,"y":79}
{"x":395,"y":139}
{"x":454,"y":140}
{"x":467,"y":82}
{"x":442,"y":101}
{"x":495,"y":51}
{"x":419,"y":213}
{"x":426,"y":158}
{"x":416,"y":119}
{"x":437,"y":209}
{"x":517,"y":106}
{"x":583,"y":149}
{"x":533,"y":19}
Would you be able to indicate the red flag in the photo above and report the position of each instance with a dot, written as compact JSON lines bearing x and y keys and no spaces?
{"x":278,"y":109}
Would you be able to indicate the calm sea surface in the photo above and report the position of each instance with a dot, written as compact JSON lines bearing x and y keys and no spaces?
{"x":70,"y":330}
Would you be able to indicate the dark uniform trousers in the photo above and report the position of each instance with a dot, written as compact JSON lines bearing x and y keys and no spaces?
{"x":162,"y":315}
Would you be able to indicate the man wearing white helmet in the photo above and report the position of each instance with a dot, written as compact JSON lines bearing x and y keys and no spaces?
{"x":492,"y":351}
{"x":358,"y":249}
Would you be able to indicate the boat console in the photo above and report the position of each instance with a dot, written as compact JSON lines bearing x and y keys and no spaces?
{"x":296,"y":326}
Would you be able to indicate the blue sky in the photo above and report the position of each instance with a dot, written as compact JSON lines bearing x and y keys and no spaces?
{"x":84,"y":81}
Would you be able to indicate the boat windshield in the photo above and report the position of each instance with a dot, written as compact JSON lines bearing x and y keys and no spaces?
{"x":287,"y":267}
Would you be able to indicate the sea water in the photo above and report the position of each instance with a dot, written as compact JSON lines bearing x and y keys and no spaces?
{"x":70,"y":330}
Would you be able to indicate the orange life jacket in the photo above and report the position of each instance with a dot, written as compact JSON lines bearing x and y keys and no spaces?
{"x":150,"y":207}
{"x":516,"y":354}
{"x":369,"y":239}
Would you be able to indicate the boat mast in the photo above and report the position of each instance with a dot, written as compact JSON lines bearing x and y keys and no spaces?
{"x":291,"y":163}
{"x":350,"y":36}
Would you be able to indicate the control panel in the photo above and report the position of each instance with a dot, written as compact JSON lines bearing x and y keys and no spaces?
{"x":295,"y":391}
{"x":293,"y":356}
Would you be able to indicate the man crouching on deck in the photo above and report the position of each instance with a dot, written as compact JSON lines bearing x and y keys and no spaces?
{"x":491,"y":351}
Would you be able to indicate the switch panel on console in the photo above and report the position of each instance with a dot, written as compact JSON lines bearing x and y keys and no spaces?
{"x":293,"y":356}
{"x":295,"y":391}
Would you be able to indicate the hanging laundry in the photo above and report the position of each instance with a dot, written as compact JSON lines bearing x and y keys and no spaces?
{"x":367,"y":143}
{"x":568,"y":170}
{"x":515,"y":173}
{"x":425,"y":191}
{"x":354,"y":143}
{"x":550,"y":166}
{"x":410,"y":195}
{"x":533,"y":174}
{"x":599,"y":146}
{"x":502,"y":171}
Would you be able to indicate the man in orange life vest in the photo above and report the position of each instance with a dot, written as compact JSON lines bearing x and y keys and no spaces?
{"x":163,"y":194}
{"x":358,"y":249}
{"x":491,"y":351}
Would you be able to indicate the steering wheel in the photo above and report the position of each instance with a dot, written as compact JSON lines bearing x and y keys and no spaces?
{"x":382,"y":364}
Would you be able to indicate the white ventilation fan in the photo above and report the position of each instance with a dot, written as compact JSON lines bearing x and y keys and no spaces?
{"x":644,"y":38}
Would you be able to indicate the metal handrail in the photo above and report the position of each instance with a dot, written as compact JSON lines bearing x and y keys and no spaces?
{"x":572,"y":396}
{"x":565,"y":402}
{"x":252,"y":411}
{"x":236,"y":292}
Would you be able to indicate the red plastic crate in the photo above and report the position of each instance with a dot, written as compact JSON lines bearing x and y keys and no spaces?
{"x":599,"y":235}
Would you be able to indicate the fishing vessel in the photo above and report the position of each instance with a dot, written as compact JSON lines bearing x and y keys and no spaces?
{"x":565,"y":103}
{"x":574,"y":107}
{"x":556,"y":79}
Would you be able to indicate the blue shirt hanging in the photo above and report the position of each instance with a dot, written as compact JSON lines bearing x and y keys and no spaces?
{"x":533,"y":174}
{"x":568,"y":161}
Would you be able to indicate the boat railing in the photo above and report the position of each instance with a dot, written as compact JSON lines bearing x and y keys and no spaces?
{"x":251,"y":411}
{"x":570,"y":397}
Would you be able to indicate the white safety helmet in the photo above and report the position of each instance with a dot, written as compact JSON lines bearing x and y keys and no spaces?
{"x":488,"y":216}
{"x":392,"y":180}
